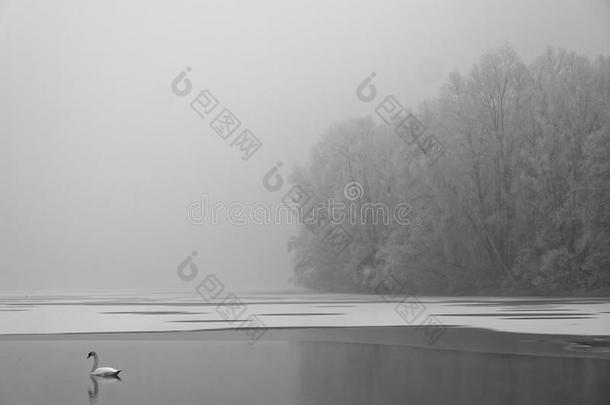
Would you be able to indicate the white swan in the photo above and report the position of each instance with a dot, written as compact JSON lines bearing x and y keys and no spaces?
{"x":102,"y":371}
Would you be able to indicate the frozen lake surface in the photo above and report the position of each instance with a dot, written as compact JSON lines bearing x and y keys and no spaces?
{"x":290,"y":365}
{"x":133,"y":312}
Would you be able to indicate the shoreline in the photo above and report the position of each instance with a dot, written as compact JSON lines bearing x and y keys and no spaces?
{"x":463,"y":339}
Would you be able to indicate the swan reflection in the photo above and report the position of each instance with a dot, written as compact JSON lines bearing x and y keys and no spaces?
{"x":97,"y":380}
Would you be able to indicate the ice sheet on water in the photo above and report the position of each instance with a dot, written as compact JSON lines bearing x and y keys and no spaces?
{"x":171,"y":311}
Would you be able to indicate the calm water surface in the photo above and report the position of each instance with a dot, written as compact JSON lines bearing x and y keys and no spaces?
{"x":290,"y":372}
{"x":53,"y":370}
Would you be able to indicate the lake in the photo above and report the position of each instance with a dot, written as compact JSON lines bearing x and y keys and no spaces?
{"x":492,"y":350}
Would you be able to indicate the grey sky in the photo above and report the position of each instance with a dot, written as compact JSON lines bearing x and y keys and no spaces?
{"x":99,"y":160}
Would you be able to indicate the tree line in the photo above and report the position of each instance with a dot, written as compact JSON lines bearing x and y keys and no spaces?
{"x":519,"y":203}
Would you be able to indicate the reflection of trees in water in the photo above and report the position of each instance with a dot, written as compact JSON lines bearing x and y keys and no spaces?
{"x":364,"y":374}
{"x":93,"y":394}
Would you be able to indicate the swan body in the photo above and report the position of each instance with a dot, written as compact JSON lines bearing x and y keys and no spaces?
{"x":105,"y":372}
{"x":101,"y":371}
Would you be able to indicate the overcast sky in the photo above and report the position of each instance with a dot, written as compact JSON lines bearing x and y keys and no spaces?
{"x":99,"y":159}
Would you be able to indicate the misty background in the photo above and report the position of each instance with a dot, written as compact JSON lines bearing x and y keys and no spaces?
{"x":99,"y":160}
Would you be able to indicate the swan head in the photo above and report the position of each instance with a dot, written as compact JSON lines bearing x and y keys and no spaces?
{"x":91,"y":354}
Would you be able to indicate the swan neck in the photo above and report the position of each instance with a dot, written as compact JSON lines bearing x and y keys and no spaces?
{"x":95,"y":361}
